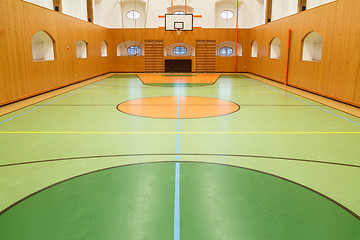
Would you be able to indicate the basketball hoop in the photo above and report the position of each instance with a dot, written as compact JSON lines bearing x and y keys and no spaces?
{"x":178,"y":31}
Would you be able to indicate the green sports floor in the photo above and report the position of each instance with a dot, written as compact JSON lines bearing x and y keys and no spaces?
{"x":282,"y":167}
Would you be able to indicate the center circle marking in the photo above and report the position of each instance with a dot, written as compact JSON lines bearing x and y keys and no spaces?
{"x":168,"y":107}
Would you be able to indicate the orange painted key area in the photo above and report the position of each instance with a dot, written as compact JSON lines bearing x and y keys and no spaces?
{"x":167,"y":107}
{"x":177,"y":78}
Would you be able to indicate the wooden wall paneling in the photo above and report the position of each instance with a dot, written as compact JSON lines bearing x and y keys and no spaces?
{"x":121,"y":35}
{"x":225,"y":64}
{"x":345,"y":49}
{"x":23,"y":77}
{"x":356,"y":98}
{"x":310,"y":75}
{"x":336,"y":75}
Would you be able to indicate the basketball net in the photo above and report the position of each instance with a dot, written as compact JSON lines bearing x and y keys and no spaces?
{"x":178,"y":31}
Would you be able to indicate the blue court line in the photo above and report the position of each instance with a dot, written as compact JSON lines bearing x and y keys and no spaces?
{"x":52,"y":102}
{"x":276,"y":90}
{"x":177,"y":176}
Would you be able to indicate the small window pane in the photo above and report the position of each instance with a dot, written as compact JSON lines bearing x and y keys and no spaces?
{"x":226,"y":51}
{"x":134,"y":50}
{"x":179,"y":12}
{"x":133,"y":14}
{"x":226,"y":14}
{"x":180,"y":50}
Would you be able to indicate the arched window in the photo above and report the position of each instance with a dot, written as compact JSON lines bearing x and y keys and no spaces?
{"x":226,"y":14}
{"x":312,"y":47}
{"x":104,"y":49}
{"x":81,"y":49}
{"x":254,"y":48}
{"x":42,"y":47}
{"x":133,"y":50}
{"x":180,"y":50}
{"x":129,"y":48}
{"x":133,"y":14}
{"x":275,"y":46}
{"x":226,"y":51}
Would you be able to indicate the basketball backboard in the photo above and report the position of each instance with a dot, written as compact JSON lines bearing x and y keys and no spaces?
{"x":174,"y":22}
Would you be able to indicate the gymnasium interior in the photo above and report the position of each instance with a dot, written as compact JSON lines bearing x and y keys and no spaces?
{"x":179,"y":119}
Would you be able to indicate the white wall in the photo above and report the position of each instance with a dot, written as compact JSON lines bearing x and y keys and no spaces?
{"x":222,"y":6}
{"x":98,"y":12}
{"x":139,"y":6}
{"x":108,"y":13}
{"x":43,"y":3}
{"x":314,"y":3}
{"x":283,"y":8}
{"x":207,"y":10}
{"x":251,"y":13}
{"x":75,"y":8}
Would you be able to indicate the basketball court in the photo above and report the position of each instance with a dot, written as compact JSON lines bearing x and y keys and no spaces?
{"x":194,"y":121}
{"x":236,"y":171}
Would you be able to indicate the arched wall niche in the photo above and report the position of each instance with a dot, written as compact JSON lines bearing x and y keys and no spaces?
{"x":254,"y":49}
{"x":42,"y":44}
{"x":312,"y":45}
{"x":169,"y":50}
{"x":81,"y":49}
{"x":122,"y":48}
{"x":275,"y":48}
{"x":229,"y":44}
{"x":104,"y":47}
